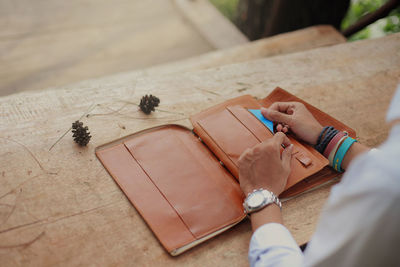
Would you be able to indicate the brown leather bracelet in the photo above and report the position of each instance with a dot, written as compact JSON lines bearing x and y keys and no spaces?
{"x":332,"y":144}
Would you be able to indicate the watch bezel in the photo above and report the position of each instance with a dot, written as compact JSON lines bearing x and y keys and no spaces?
{"x":268,"y":198}
{"x":252,"y":197}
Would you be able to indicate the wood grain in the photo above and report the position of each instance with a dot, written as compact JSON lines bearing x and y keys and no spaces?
{"x":286,"y":43}
{"x":73,"y":211}
{"x":49,"y":43}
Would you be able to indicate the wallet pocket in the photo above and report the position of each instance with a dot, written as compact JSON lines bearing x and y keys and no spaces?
{"x":230,"y":131}
{"x":203,"y":194}
{"x":257,"y":128}
{"x":230,"y":137}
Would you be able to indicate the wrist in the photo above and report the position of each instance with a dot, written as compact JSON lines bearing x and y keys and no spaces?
{"x":270,"y":214}
{"x":336,"y":147}
{"x":315,"y":134}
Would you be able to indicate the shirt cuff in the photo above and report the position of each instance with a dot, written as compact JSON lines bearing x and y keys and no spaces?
{"x":273,"y":243}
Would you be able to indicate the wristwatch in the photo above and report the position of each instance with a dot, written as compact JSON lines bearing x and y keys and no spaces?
{"x":259,"y":199}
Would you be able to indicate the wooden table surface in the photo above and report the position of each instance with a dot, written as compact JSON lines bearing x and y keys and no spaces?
{"x":48,"y":43}
{"x":62,"y":207}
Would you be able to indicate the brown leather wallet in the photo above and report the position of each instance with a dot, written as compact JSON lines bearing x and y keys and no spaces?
{"x":184,"y":183}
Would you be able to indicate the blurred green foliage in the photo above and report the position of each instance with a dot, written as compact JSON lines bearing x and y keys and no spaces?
{"x":227,"y":7}
{"x":393,"y":22}
{"x":358,"y":8}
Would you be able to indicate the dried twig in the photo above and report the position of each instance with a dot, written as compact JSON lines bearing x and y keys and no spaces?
{"x":113,"y":111}
{"x":11,"y":211}
{"x":30,"y":152}
{"x":117,"y":111}
{"x":157,"y":109}
{"x":18,"y":186}
{"x":207,"y":91}
{"x":24,"y":245}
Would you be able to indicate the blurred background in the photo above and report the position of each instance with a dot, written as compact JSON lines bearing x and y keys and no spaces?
{"x":340,"y":13}
{"x":51,"y":43}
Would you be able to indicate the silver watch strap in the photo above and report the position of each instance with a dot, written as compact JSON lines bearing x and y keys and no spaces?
{"x":269,"y":198}
{"x":275,"y":199}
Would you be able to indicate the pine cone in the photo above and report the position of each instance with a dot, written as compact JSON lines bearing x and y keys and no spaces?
{"x":80,"y":133}
{"x":148,"y":103}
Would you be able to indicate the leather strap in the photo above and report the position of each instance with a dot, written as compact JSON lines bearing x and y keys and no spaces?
{"x":334,"y":150}
{"x":332,"y":144}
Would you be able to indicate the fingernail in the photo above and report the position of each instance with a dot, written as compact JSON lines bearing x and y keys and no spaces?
{"x":264,"y":109}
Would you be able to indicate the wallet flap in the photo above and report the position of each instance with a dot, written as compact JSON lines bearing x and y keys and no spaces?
{"x":175,"y":183}
{"x":281,"y":95}
{"x":327,"y":173}
{"x":145,"y":196}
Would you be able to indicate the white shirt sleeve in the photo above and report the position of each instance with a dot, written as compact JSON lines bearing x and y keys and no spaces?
{"x":359,"y":224}
{"x":273,"y":245}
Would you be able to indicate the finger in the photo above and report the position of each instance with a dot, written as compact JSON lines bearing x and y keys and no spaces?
{"x":290,"y":110}
{"x":287,"y":156}
{"x":274,"y":115}
{"x":279,"y":127}
{"x":282,"y":106}
{"x":245,"y":155}
{"x":280,"y":138}
{"x":285,"y":128}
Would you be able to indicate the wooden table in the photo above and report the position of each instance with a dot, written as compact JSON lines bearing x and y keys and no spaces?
{"x":62,"y":207}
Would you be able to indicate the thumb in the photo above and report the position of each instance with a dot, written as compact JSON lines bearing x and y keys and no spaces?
{"x":287,"y":156}
{"x":276,"y":116}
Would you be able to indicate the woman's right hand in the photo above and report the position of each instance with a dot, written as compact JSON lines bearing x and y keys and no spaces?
{"x":294,"y":116}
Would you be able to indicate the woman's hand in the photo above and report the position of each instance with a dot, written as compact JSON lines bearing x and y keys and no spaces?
{"x":296,"y":117}
{"x":263,"y":166}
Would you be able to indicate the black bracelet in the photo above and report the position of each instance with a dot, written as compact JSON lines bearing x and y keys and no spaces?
{"x":325,"y":137}
{"x":322,"y":132}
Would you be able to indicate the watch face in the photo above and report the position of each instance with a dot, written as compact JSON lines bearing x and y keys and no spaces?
{"x":255,"y":199}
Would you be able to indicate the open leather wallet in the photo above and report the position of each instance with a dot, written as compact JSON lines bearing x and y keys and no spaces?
{"x":185,"y":183}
